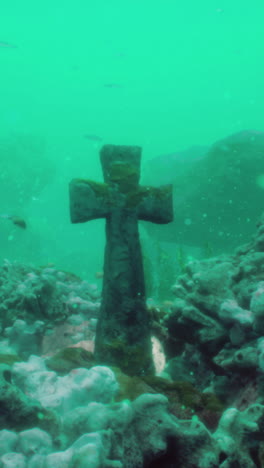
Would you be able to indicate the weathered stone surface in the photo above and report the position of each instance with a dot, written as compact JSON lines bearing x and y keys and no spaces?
{"x":123,"y":331}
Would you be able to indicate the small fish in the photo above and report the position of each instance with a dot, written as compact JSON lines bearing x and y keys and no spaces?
{"x":112,"y":85}
{"x":6,"y":45}
{"x":92,"y":137}
{"x":120,"y":54}
{"x":20,"y":222}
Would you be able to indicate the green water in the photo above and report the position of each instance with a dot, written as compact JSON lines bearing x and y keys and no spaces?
{"x":190,"y":72}
{"x":164,"y":75}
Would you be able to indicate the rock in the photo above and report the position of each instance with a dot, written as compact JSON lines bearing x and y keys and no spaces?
{"x":19,"y":411}
{"x":236,"y":433}
{"x":257,"y":307}
{"x":215,"y":325}
{"x":26,"y":339}
{"x":218,"y":196}
{"x":13,"y":460}
{"x":62,"y":394}
{"x":34,"y":441}
{"x":70,"y":358}
{"x":97,"y":417}
{"x":36,"y":295}
{"x":8,"y":441}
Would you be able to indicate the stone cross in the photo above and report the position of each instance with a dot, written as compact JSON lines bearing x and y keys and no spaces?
{"x":123,"y":335}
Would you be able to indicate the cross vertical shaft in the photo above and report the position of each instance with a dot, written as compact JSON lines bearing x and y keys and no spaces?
{"x":123,"y":330}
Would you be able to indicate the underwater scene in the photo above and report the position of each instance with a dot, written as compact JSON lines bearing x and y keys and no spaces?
{"x":131,"y":234}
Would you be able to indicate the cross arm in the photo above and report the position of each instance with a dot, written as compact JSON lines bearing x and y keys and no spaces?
{"x":88,"y":200}
{"x":156,"y":204}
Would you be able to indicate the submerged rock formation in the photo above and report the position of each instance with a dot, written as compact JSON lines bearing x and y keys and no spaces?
{"x":215,"y":324}
{"x":218,"y":193}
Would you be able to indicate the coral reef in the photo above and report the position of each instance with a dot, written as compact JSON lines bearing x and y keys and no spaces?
{"x":204,"y":410}
{"x":43,"y":310}
{"x":216,"y":321}
{"x":86,"y":428}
